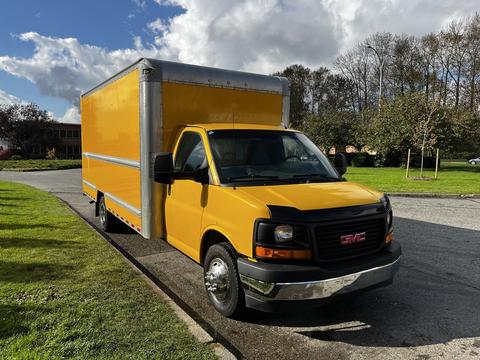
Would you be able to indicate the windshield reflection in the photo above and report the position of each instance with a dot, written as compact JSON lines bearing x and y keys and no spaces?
{"x":268,"y":156}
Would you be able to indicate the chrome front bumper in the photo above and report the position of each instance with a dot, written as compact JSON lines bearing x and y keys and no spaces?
{"x":316,"y":290}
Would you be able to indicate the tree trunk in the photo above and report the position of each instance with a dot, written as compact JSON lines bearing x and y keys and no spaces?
{"x":457,"y":89}
{"x":472,"y":85}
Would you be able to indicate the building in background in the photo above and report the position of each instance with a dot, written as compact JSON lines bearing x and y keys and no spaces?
{"x":69,"y":136}
{"x":69,"y":143}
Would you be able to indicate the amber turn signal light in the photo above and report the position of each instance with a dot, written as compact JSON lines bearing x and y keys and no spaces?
{"x":389,"y":237}
{"x":269,"y":253}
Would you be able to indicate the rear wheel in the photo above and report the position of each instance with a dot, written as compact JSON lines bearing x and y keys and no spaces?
{"x":107,"y":220}
{"x":222,"y":281}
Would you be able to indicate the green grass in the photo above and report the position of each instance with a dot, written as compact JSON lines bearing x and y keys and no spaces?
{"x":454,"y":178}
{"x":40,"y":164}
{"x":65,"y":293}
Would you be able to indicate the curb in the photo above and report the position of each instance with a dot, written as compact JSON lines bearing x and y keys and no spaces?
{"x":433,"y":195}
{"x":34,"y":169}
{"x":199,"y":328}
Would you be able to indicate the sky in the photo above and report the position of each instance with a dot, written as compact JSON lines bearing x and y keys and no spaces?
{"x":53,"y":50}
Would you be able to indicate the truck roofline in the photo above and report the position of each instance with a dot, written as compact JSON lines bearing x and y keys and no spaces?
{"x":239,"y":126}
{"x":201,"y":75}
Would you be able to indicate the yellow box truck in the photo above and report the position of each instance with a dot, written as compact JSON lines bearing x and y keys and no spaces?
{"x":204,"y":159}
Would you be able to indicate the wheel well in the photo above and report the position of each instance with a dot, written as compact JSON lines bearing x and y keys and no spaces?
{"x":211,"y":238}
{"x":99,"y":195}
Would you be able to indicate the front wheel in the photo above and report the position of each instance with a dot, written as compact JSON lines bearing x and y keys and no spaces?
{"x":222,"y":281}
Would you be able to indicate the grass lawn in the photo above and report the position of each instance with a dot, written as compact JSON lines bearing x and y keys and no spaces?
{"x":454,"y":178}
{"x":40,"y":164}
{"x":64,"y":292}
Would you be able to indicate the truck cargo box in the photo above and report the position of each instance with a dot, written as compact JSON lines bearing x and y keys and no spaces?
{"x":135,"y":115}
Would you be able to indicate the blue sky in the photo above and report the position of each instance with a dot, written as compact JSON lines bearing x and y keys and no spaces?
{"x":108,"y":24}
{"x":53,"y":50}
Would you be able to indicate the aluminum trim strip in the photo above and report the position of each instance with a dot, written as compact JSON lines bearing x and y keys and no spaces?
{"x":89,"y":184}
{"x":202,"y":75}
{"x":112,"y":159}
{"x":113,"y":78}
{"x":124,"y":204}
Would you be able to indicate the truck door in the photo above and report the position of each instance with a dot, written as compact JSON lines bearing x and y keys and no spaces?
{"x":183,"y":205}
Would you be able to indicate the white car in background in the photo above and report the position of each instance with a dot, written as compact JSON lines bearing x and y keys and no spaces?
{"x":475,"y":161}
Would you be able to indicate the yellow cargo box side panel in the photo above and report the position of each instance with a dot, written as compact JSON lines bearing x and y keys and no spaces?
{"x":193,"y":104}
{"x":111,"y":147}
{"x":111,"y":119}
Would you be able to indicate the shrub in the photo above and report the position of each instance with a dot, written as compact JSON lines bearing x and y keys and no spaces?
{"x":363,"y":159}
{"x":388,"y":159}
{"x":428,"y":161}
{"x":51,"y":154}
{"x":16,"y":157}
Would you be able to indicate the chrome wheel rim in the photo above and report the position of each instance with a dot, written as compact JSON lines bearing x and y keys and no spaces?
{"x":217,"y":280}
{"x":102,"y":213}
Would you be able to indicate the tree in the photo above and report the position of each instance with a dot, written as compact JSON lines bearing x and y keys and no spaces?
{"x":299,"y":79}
{"x":444,"y":67}
{"x":329,"y":130}
{"x":27,"y":128}
{"x":409,"y":121}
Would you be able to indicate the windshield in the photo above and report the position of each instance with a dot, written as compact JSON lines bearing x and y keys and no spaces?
{"x":262,"y":155}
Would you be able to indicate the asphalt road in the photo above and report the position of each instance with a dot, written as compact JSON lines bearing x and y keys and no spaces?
{"x":431,"y":311}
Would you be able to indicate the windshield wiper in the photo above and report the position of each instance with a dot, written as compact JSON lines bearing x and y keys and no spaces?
{"x":314,"y":176}
{"x":257,"y":178}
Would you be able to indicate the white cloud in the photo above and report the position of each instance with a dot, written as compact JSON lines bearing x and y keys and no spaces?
{"x":158,"y":26}
{"x":63,"y":67}
{"x":266,"y":35}
{"x":71,"y":116}
{"x":140,"y":3}
{"x":8,"y":99}
{"x":165,"y":2}
{"x":252,"y":35}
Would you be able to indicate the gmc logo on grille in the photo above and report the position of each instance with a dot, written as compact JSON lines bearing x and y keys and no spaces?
{"x":353,"y":238}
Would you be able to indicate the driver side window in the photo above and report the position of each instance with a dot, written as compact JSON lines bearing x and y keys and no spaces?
{"x":190,"y":152}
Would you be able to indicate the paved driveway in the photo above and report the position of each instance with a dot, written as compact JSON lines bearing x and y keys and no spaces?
{"x":431,"y":311}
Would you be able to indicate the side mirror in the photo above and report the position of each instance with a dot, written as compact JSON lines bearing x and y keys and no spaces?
{"x":340,"y":163}
{"x":201,"y":175}
{"x":163,"y":168}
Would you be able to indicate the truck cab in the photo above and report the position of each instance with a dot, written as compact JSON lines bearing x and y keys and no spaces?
{"x":273,"y":223}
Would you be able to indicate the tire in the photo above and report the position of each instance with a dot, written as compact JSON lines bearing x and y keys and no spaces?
{"x":222,"y":282}
{"x":108,"y":221}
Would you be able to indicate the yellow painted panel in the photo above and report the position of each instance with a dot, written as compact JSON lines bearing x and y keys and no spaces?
{"x":111,"y":119}
{"x":232,"y":214}
{"x":126,"y":216}
{"x":89,"y":191}
{"x":312,"y":196}
{"x":192,"y":104}
{"x":118,"y":180}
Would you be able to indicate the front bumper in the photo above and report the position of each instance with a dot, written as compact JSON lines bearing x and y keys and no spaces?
{"x":272,"y":287}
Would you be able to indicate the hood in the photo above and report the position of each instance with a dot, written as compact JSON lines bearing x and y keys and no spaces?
{"x":312,"y":196}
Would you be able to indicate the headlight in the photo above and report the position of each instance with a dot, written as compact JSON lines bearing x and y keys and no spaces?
{"x":283,"y":233}
{"x":274,"y":235}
